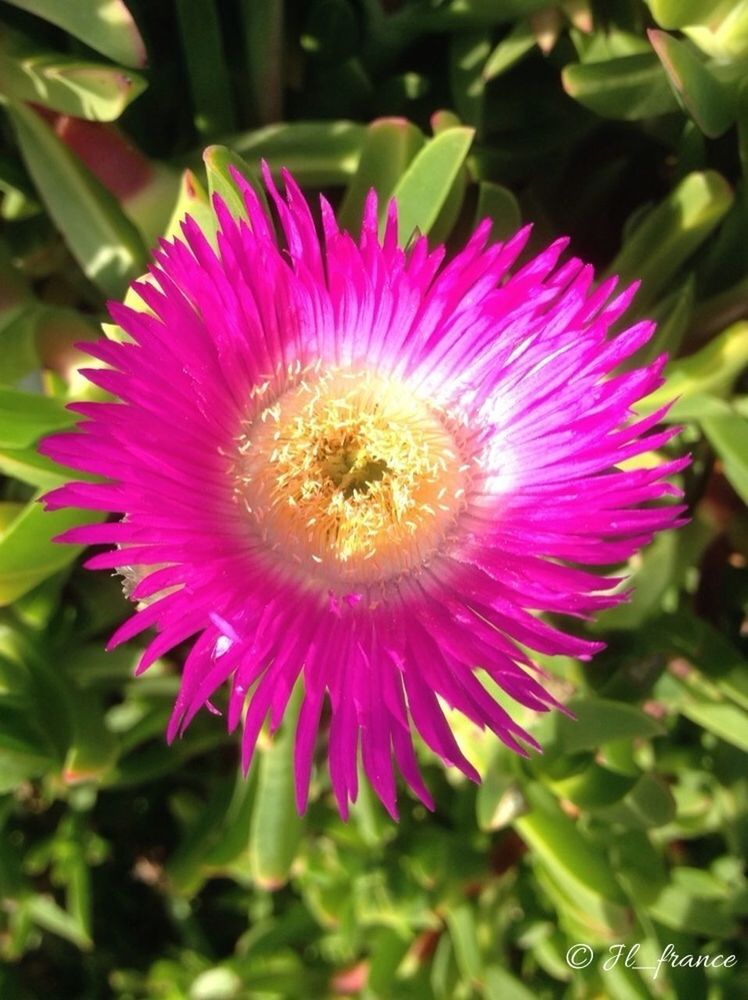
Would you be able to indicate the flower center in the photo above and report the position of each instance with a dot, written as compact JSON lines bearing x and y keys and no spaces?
{"x":350,"y":472}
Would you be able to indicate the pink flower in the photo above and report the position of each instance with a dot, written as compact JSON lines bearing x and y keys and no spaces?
{"x":352,"y":463}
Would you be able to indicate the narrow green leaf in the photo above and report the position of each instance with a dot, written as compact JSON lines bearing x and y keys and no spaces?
{"x":104,"y":241}
{"x":513,"y":46}
{"x":276,"y":826}
{"x":388,"y":149}
{"x":46,"y":913}
{"x":425,"y":186}
{"x":671,"y":232}
{"x":461,"y":923}
{"x":105,"y":25}
{"x":210,"y":86}
{"x":710,"y":103}
{"x":263,"y":43}
{"x":576,"y":866}
{"x":628,"y":88}
{"x":468,"y":52}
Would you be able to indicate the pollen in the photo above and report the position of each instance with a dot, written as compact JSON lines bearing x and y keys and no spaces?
{"x":352,"y":474}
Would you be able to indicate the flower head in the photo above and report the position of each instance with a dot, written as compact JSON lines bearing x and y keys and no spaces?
{"x":354,"y":464}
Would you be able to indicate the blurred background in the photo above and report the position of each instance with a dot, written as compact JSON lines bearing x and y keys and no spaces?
{"x":132,"y":870}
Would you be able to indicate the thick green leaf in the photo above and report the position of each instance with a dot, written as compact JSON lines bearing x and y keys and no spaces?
{"x":218,"y":161}
{"x":104,"y":241}
{"x":579,"y":869}
{"x":424,"y":188}
{"x":681,"y":910}
{"x":598,"y":721}
{"x":388,"y":149}
{"x":649,"y":803}
{"x":679,"y":13}
{"x":105,"y":25}
{"x":25,"y":417}
{"x":316,"y":153}
{"x":707,"y":374}
{"x":671,"y":232}
{"x":627,"y":88}
{"x":710,"y":103}
{"x":27,"y":553}
{"x":64,"y":84}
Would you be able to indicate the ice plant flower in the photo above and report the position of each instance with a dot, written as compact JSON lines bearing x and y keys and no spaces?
{"x":355,"y":464}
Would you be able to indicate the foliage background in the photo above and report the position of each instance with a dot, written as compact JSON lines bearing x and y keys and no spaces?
{"x":131,"y":870}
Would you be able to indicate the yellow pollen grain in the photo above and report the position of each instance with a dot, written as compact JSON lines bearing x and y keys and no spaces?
{"x":352,"y":472}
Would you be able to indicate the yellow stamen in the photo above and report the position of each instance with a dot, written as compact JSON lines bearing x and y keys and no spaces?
{"x":352,"y":472}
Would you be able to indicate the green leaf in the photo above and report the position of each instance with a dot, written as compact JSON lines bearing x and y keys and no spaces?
{"x":579,"y":869}
{"x":593,"y":788}
{"x":263,"y":45}
{"x":27,"y":553}
{"x":64,"y":84}
{"x":218,"y":161}
{"x":468,"y":52}
{"x":105,"y":25}
{"x":18,"y":354}
{"x":671,"y":232}
{"x":707,"y":374}
{"x":679,"y":13}
{"x":499,"y":984}
{"x":710,"y":103}
{"x":425,"y":187}
{"x":728,"y":435}
{"x":721,"y":717}
{"x":513,"y":46}
{"x":276,"y":826}
{"x":103,"y":240}
{"x":93,"y":748}
{"x":26,"y":416}
{"x":46,"y":913}
{"x":598,"y":721}
{"x":628,"y":88}
{"x":681,"y":910}
{"x":388,"y":149}
{"x":649,"y":803}
{"x":498,"y":204}
{"x":653,"y":572}
{"x":317,"y":153}
{"x":461,"y":924}
{"x":210,"y":86}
